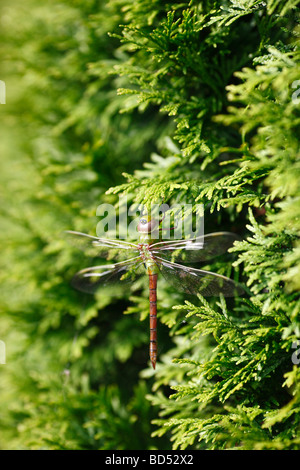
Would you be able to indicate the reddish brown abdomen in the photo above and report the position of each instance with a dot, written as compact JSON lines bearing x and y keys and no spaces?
{"x":153,"y":319}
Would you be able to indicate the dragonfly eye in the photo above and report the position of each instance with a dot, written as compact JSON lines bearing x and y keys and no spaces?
{"x":145,"y":226}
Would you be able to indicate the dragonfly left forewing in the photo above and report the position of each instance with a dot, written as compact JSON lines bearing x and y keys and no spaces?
{"x":197,"y":281}
{"x":101,"y":247}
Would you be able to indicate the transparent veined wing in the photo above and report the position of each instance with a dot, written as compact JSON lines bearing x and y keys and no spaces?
{"x":102,"y":247}
{"x":91,"y":279}
{"x":197,"y":281}
{"x":194,"y":250}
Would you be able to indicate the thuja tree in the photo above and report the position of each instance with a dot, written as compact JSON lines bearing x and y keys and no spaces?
{"x":227,"y":76}
{"x":206,"y":95}
{"x":64,"y":142}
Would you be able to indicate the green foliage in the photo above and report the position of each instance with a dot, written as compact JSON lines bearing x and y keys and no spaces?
{"x":192,"y":102}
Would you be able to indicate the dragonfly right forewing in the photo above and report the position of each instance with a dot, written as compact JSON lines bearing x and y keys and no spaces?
{"x":195,"y":250}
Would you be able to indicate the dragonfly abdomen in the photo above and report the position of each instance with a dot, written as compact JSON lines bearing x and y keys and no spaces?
{"x":153,"y":318}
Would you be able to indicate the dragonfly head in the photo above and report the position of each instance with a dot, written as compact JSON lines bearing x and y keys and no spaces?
{"x":146,"y":225}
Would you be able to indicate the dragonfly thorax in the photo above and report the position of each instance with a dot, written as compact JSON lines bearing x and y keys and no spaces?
{"x":148,"y":259}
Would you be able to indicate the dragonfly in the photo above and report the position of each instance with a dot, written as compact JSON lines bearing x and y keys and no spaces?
{"x":147,"y":256}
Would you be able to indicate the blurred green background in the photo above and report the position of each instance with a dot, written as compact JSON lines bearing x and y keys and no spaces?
{"x":67,"y":382}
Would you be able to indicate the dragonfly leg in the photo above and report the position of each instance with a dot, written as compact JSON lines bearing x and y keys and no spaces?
{"x":168,"y":229}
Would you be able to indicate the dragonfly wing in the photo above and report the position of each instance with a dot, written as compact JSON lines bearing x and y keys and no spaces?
{"x":91,"y":279}
{"x":102,"y":247}
{"x":194,"y":250}
{"x":197,"y":281}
